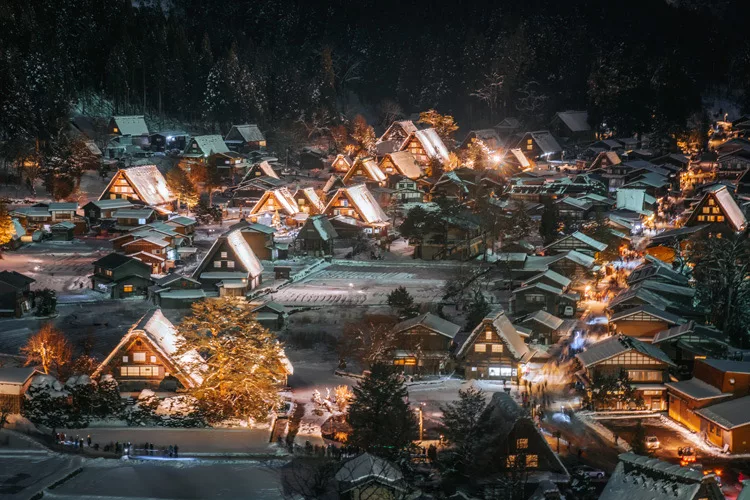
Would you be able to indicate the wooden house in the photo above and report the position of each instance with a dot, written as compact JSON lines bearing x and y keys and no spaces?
{"x":230,"y":268}
{"x":397,"y":133}
{"x":718,"y":209}
{"x":576,"y":241}
{"x":488,"y":139}
{"x":636,"y":476}
{"x":169,"y":140}
{"x":714,"y":381}
{"x":144,"y":185}
{"x":260,"y":238}
{"x":574,"y":208}
{"x":545,"y":327}
{"x":426,"y":146}
{"x":732,"y":163}
{"x":423,"y":345}
{"x":539,"y":296}
{"x":358,"y":203}
{"x":342,"y":163}
{"x":451,"y":186}
{"x":540,"y":145}
{"x":261,"y":169}
{"x":145,"y":358}
{"x":405,"y":190}
{"x":401,"y":163}
{"x":15,"y":294}
{"x":201,"y":148}
{"x":62,"y":231}
{"x":494,"y":350}
{"x":364,"y":169}
{"x":274,"y":201}
{"x":572,"y":125}
{"x":511,"y":443}
{"x":460,"y":238}
{"x":127,"y":219}
{"x":251,"y":189}
{"x":245,"y":138}
{"x":183,"y":225}
{"x":316,"y":236}
{"x":97,"y":210}
{"x":645,"y":366}
{"x":14,"y":382}
{"x":643,"y":322}
{"x":133,"y":127}
{"x":150,"y":250}
{"x":508,"y":127}
{"x":367,"y":476}
{"x":121,"y":276}
{"x":727,"y":424}
{"x":308,"y":201}
{"x":689,"y":342}
{"x":515,"y":160}
{"x":175,"y":291}
{"x":605,"y":159}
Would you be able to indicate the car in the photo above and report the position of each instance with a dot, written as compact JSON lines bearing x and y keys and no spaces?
{"x":568,"y":311}
{"x":652,"y":442}
{"x":590,"y":471}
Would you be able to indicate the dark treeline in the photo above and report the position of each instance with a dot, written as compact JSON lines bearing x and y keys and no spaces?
{"x":638,"y":65}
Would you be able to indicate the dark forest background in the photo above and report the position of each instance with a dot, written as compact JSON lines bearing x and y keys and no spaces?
{"x":638,"y":65}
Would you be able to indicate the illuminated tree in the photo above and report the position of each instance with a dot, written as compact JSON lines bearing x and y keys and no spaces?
{"x":240,"y":362}
{"x":363,"y":134}
{"x":444,"y":125}
{"x":7,"y":230}
{"x":47,"y":348}
{"x":179,"y":183}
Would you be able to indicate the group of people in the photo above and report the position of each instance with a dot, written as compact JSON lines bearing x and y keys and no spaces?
{"x":118,"y":448}
{"x":77,"y":442}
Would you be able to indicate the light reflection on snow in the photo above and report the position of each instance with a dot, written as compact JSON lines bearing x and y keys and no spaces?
{"x":561,"y":418}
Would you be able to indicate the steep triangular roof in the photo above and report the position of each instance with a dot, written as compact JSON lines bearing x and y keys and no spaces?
{"x":431,"y":322}
{"x":405,"y":164}
{"x":264,"y":168}
{"x":362,"y":201}
{"x":368,"y":166}
{"x":283,"y":200}
{"x":248,"y":132}
{"x":431,"y":142}
{"x":244,"y":255}
{"x":130,"y":125}
{"x":499,"y":322}
{"x":209,"y":144}
{"x":729,"y":208}
{"x":312,"y":198}
{"x":147,"y":182}
{"x":156,"y":330}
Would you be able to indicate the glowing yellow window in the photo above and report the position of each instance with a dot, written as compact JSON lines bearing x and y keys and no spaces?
{"x":127,"y":288}
{"x":522,"y":444}
{"x":480,"y":347}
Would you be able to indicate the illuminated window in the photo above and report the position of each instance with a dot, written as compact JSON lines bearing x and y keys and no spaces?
{"x":715,"y":210}
{"x":522,"y":444}
{"x":223,"y":255}
{"x":711,"y":218}
{"x":532,"y":461}
{"x":124,"y":359}
{"x":153,"y":359}
{"x":497,"y":347}
{"x":719,"y":218}
{"x":116,"y":130}
{"x":108,"y":272}
{"x":139,"y":357}
{"x":480,"y":347}
{"x":217,"y":263}
{"x":127,"y":288}
{"x":488,"y":335}
{"x":701,"y":218}
{"x":711,"y":202}
{"x":706,"y":210}
{"x":510,"y":461}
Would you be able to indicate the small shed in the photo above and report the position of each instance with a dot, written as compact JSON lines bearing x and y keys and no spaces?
{"x":282,"y":272}
{"x":14,"y":382}
{"x":63,"y":231}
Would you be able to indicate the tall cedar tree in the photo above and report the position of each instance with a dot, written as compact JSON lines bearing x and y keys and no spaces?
{"x":462,"y":426}
{"x":478,"y":309}
{"x":548,"y":224}
{"x":381,"y":419}
{"x":239,"y":360}
{"x":48,"y":348}
{"x":7,"y":230}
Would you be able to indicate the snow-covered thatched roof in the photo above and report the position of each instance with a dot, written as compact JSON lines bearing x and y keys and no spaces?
{"x":282,"y":200}
{"x":369,"y":167}
{"x":147,"y":182}
{"x":576,"y":121}
{"x":248,"y":132}
{"x":405,"y":164}
{"x":130,"y":125}
{"x":363,"y":202}
{"x":209,"y":144}
{"x":155,"y":329}
{"x":368,"y":468}
{"x":432,"y":144}
{"x":312,"y":198}
{"x":431,"y":322}
{"x":501,"y":325}
{"x":614,"y":346}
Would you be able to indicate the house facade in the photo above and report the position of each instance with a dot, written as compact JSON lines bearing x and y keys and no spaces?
{"x":423,"y":345}
{"x":230,"y":268}
{"x":121,"y":276}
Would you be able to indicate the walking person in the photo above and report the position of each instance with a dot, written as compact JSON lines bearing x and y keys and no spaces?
{"x":176,"y":450}
{"x":171,"y":450}
{"x":88,"y":440}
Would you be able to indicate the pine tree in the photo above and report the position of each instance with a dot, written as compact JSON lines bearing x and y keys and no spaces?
{"x":462,"y":428}
{"x":478,"y":309}
{"x":401,"y":300}
{"x":382,"y":421}
{"x":240,"y":362}
{"x":548,"y":225}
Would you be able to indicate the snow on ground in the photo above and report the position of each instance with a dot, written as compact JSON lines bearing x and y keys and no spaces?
{"x":172,"y":479}
{"x":192,"y":442}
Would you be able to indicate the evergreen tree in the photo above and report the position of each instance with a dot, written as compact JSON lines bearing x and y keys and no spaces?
{"x":548,"y":225}
{"x":401,"y":300}
{"x":240,"y":362}
{"x":638,"y":446}
{"x":478,"y":309}
{"x":462,"y":427}
{"x":46,"y":302}
{"x":382,"y":421}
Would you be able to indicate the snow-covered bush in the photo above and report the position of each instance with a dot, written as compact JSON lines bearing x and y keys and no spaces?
{"x":178,"y":411}
{"x":47,"y":402}
{"x":109,"y":402}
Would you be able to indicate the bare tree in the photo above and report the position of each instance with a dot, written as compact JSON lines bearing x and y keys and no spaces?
{"x":317,"y":124}
{"x":531,"y":101}
{"x":390,"y":111}
{"x":368,"y":340}
{"x":490,"y":90}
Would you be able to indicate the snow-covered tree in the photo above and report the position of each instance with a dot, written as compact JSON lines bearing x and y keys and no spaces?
{"x":47,"y":402}
{"x":364,"y":135}
{"x":239,"y":360}
{"x":47,"y":348}
{"x":444,"y":125}
{"x":369,"y":340}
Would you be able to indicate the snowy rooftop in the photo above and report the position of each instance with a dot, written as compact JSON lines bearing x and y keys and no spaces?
{"x":406,"y":164}
{"x":576,"y":121}
{"x":432,"y":144}
{"x":149,"y":184}
{"x":616,"y":345}
{"x":728,"y":415}
{"x":546,"y":319}
{"x":696,"y":389}
{"x":209,"y":144}
{"x":366,"y":468}
{"x":432,"y":322}
{"x":244,"y":253}
{"x":499,"y":322}
{"x":249,"y":132}
{"x":364,"y":202}
{"x":131,"y":125}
